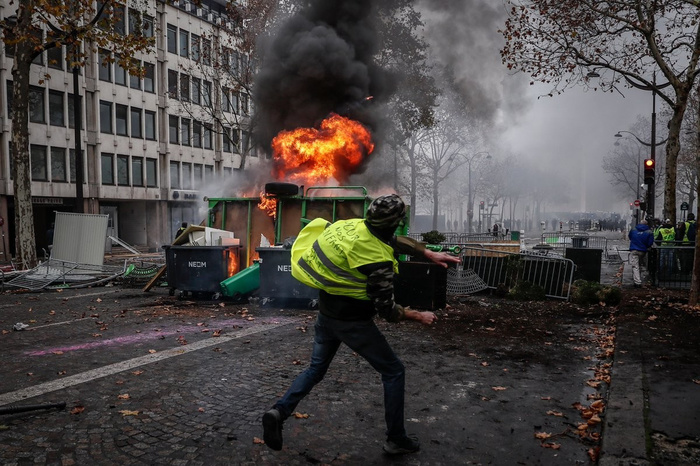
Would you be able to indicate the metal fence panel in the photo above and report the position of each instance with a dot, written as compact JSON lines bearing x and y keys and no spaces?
{"x":553,"y":274}
{"x":671,"y":266}
{"x":80,"y":238}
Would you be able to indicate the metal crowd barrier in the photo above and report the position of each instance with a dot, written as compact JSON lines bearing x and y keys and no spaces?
{"x":671,"y":266}
{"x":497,"y":267}
{"x":562,"y":241}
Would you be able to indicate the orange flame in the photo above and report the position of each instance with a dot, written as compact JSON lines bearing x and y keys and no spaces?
{"x":233,"y":267}
{"x":268,"y":204}
{"x":313,"y":156}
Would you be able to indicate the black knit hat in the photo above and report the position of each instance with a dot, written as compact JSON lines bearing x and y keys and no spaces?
{"x":386,"y":212}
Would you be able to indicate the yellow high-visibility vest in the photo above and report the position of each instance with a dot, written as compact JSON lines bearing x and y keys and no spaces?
{"x":327,"y":256}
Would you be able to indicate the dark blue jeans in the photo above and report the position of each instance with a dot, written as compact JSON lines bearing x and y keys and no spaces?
{"x":365,"y":339}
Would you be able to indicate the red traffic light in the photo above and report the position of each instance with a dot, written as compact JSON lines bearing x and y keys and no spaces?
{"x":649,"y":171}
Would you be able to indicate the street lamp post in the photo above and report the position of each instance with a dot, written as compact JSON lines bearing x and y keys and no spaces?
{"x":470,"y":199}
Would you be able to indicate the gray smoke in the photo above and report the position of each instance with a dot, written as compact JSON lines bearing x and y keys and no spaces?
{"x":464,"y":38}
{"x":319,"y":62}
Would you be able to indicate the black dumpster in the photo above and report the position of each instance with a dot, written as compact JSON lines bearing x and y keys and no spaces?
{"x":587,"y":261}
{"x":277,"y":283}
{"x":199,"y":270}
{"x":422,"y":285}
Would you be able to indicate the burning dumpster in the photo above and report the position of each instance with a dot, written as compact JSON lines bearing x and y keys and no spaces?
{"x":199,"y":270}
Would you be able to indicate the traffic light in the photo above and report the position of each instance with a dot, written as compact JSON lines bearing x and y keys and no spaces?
{"x":643,"y":206}
{"x":649,"y":171}
{"x":481,"y":205}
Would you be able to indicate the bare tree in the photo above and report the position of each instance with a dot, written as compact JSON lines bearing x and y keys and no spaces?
{"x":624,"y":43}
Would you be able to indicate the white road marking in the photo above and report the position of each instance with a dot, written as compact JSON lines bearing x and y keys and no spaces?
{"x":87,"y":376}
{"x":32,"y":327}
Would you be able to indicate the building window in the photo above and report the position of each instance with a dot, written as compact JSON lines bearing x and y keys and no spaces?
{"x":197,"y":134}
{"x":58,"y":164}
{"x":71,"y":109}
{"x":57,"y":116}
{"x":147,"y":26}
{"x":107,"y":168}
{"x":37,"y":113}
{"x":209,"y":173}
{"x":207,"y":137}
{"x":71,"y":164}
{"x":174,"y":175}
{"x":38,"y":163}
{"x":172,"y":84}
{"x":184,"y":88}
{"x":227,"y":139}
{"x":196,"y":90}
{"x":245,"y":108}
{"x":186,"y":176}
{"x":172,"y":38}
{"x":225,"y":100}
{"x":119,"y":12}
{"x":234,"y":101}
{"x":236,"y":139}
{"x":227,"y":172}
{"x":206,"y":93}
{"x":55,"y":57}
{"x":198,"y":174}
{"x":134,"y":79}
{"x":196,"y":50}
{"x":123,"y":170}
{"x":122,"y":112}
{"x":136,"y":123}
{"x":9,"y":89}
{"x":245,"y":146}
{"x":137,"y":171}
{"x":149,"y":77}
{"x":173,"y":129}
{"x":206,"y":52}
{"x":151,"y":173}
{"x":184,"y":43}
{"x":106,"y":117}
{"x":185,"y":124}
{"x":150,"y":121}
{"x":119,"y":72}
{"x":105,"y":71}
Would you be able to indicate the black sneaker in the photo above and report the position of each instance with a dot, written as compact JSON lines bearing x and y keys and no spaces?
{"x":272,"y":429}
{"x":401,"y":445}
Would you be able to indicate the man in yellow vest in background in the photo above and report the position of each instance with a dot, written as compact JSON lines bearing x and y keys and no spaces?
{"x":352,"y":263}
{"x":666,"y":237}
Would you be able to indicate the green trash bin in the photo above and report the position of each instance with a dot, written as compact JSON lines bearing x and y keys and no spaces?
{"x":515,"y":235}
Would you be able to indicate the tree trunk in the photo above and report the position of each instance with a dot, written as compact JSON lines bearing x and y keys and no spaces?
{"x":435,"y":201}
{"x":25,"y":243}
{"x":673,"y":148}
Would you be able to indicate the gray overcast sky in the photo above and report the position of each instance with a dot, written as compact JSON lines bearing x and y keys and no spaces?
{"x":572,"y":132}
{"x":568,"y":134}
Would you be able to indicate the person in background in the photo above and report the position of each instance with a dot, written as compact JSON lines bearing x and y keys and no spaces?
{"x":641,"y":239}
{"x":666,"y":238}
{"x":690,"y":229}
{"x":352,"y":263}
{"x":687,"y":252}
{"x":181,"y":230}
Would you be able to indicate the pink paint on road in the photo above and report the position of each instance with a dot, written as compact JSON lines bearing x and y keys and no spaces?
{"x":230,"y":324}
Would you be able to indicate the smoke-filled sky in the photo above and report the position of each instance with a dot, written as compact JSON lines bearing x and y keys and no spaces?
{"x":567,"y":135}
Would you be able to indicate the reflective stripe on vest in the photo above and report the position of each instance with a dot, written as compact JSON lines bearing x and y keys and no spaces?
{"x":332,"y":261}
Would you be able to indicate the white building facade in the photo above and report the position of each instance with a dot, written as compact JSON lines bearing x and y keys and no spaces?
{"x":149,"y":143}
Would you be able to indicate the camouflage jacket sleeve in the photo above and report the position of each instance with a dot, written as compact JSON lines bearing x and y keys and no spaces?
{"x":380,"y":289}
{"x":406,"y":245}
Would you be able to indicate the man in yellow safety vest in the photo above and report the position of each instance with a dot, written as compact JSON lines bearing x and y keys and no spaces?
{"x":352,"y":263}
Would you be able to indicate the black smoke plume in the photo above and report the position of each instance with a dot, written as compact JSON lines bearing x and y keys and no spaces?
{"x":319,"y":62}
